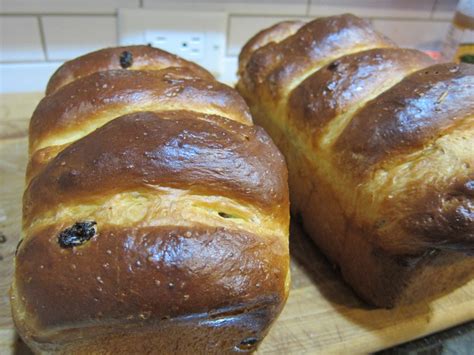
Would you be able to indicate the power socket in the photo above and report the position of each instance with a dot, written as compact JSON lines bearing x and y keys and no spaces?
{"x":189,"y":45}
{"x":193,"y":35}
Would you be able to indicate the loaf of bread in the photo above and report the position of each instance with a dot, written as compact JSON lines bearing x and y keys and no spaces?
{"x":379,"y":143}
{"x":155,"y":215}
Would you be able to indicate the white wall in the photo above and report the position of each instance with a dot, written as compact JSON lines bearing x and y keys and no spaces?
{"x":37,"y":36}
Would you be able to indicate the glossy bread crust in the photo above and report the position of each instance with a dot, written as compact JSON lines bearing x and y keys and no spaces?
{"x":205,"y":154}
{"x":408,"y":116}
{"x":131,"y":277}
{"x":274,"y":34}
{"x":102,"y":96}
{"x":378,"y":142}
{"x":314,"y":103}
{"x":277,"y":67}
{"x":155,"y":214}
{"x":124,"y":58}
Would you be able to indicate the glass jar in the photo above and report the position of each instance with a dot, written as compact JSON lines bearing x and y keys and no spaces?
{"x":459,"y":43}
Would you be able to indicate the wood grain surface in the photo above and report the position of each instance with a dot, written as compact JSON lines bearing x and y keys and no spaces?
{"x":322,"y":314}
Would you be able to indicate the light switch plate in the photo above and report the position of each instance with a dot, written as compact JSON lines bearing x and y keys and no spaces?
{"x":196,"y":36}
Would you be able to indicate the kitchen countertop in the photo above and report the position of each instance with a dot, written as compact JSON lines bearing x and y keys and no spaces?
{"x":457,"y":340}
{"x":317,"y":291}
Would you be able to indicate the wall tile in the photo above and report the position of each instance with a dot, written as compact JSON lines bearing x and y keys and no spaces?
{"x":67,"y":37}
{"x":373,"y":8}
{"x":20,"y":39}
{"x":229,"y":73}
{"x":444,"y":9}
{"x":197,"y":36}
{"x":65,"y":6}
{"x":414,"y":34}
{"x":261,"y":7}
{"x":242,"y":28}
{"x":26,"y":77}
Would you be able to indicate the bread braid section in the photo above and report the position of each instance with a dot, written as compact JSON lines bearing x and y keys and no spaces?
{"x":129,"y":58}
{"x":90,"y":102}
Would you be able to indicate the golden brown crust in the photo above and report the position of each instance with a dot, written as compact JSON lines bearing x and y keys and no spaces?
{"x":116,"y":92}
{"x":344,"y":83}
{"x":444,"y":219}
{"x":393,"y":280}
{"x":221,"y":333}
{"x":146,"y":275}
{"x":40,"y":159}
{"x":174,"y":149}
{"x":126,"y":58}
{"x":379,"y":151}
{"x":381,"y":277}
{"x":407,"y":116}
{"x":278,"y":64}
{"x":274,"y":34}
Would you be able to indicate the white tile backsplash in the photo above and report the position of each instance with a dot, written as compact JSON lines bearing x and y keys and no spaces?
{"x":415,"y":34}
{"x":42,"y":31}
{"x":26,"y":77}
{"x":65,"y":6}
{"x":373,"y":8}
{"x":229,"y":74}
{"x":261,"y":7}
{"x":242,"y":28}
{"x":198,"y":36}
{"x":71,"y":36}
{"x":20,"y":39}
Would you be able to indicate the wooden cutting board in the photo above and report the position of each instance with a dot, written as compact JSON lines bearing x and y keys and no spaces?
{"x":322,"y":314}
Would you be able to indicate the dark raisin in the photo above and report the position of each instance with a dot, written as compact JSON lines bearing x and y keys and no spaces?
{"x":126,"y":59}
{"x":380,"y":223}
{"x":333,"y":66}
{"x":3,"y":238}
{"x":18,"y":246}
{"x":225,"y":215}
{"x":77,"y":234}
{"x":247,"y":343}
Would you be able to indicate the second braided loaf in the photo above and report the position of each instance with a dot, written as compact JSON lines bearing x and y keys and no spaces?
{"x":379,"y":145}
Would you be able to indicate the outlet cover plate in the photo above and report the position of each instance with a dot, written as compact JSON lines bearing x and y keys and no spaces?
{"x":193,"y":35}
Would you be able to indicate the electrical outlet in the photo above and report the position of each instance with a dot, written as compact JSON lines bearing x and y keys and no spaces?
{"x":189,"y":45}
{"x":196,"y":36}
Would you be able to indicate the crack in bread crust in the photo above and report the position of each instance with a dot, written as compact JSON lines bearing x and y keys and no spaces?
{"x":161,"y":206}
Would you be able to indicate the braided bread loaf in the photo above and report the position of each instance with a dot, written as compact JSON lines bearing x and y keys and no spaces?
{"x":379,"y":143}
{"x":155,"y":215}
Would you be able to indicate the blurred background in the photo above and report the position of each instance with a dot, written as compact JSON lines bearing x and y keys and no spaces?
{"x":37,"y":36}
